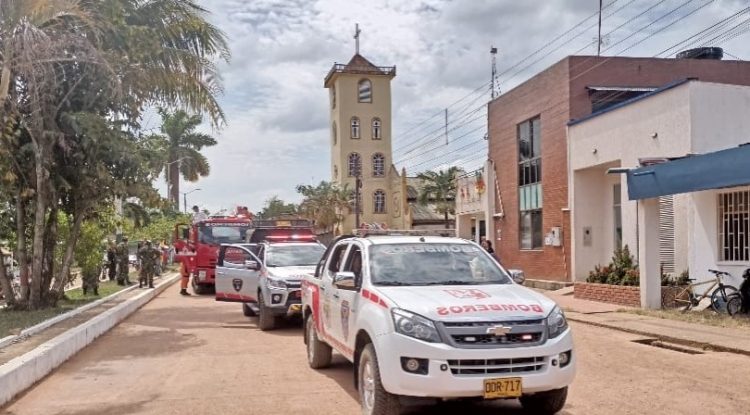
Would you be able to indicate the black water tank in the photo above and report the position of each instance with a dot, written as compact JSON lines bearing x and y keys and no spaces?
{"x":702,"y":53}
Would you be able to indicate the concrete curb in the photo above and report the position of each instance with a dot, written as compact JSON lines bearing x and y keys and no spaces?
{"x":23,"y":371}
{"x":6,"y":341}
{"x":668,"y":339}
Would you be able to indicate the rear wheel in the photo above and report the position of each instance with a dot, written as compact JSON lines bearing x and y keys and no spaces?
{"x":550,"y":402}
{"x":199,"y":289}
{"x":318,"y":353}
{"x":719,"y":299}
{"x":247,"y":310}
{"x":266,"y":319}
{"x":375,"y":400}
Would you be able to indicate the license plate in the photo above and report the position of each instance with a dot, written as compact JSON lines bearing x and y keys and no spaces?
{"x":295,"y":308}
{"x":502,"y":388}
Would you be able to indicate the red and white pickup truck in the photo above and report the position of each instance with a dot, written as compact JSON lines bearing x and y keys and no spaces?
{"x":437,"y":318}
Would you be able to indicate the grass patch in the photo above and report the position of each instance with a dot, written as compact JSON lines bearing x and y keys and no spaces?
{"x":706,"y":317}
{"x":12,"y":322}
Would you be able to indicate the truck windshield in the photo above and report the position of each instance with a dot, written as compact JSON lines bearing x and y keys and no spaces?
{"x":294,"y":255}
{"x":433,"y":264}
{"x":222,"y":233}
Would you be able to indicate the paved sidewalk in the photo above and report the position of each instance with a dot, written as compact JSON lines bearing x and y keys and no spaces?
{"x":734,"y":340}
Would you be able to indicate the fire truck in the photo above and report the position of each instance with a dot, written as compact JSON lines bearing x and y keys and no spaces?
{"x":197,"y":245}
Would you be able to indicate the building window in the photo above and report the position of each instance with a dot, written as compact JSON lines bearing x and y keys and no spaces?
{"x":376,"y":129}
{"x":530,"y":183}
{"x":333,"y":97}
{"x":378,"y":165}
{"x":355,"y":164}
{"x":365,"y":90}
{"x":734,"y":226}
{"x":333,"y":133}
{"x":355,"y":127}
{"x":379,"y":201}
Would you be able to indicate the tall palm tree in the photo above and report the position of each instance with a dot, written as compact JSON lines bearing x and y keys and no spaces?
{"x":439,"y":188}
{"x":326,"y":204}
{"x":180,"y":147}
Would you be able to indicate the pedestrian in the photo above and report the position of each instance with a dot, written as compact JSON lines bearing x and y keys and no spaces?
{"x":90,"y":281}
{"x":198,"y":215}
{"x":487,"y":245}
{"x":123,"y":262}
{"x":148,"y":256}
{"x":112,"y":261}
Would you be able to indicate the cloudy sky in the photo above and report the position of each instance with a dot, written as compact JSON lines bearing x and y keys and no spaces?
{"x":277,"y":109}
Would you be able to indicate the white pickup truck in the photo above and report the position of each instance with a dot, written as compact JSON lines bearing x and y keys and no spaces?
{"x":437,"y":318}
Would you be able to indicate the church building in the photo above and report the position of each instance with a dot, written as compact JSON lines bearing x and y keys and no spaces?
{"x":360,"y":106}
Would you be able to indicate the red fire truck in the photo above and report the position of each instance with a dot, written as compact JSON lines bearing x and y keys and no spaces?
{"x":197,"y":245}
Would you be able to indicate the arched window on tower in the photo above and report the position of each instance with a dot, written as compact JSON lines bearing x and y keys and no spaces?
{"x":333,"y":133}
{"x":355,"y":127}
{"x":378,"y":165}
{"x":379,"y":201}
{"x":377,"y":133}
{"x":364,"y":91}
{"x":355,"y":164}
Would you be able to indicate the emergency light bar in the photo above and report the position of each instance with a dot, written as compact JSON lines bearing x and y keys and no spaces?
{"x":363,"y":233}
{"x":293,"y":223}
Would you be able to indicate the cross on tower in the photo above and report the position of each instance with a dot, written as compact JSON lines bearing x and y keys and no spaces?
{"x":356,"y":37}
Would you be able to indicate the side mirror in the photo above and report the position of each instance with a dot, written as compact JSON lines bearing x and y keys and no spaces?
{"x":252,"y":265}
{"x":517,"y":275}
{"x":344,"y":280}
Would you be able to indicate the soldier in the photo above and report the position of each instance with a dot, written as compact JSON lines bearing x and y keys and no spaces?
{"x":90,"y":281}
{"x":123,"y":262}
{"x":148,"y":256}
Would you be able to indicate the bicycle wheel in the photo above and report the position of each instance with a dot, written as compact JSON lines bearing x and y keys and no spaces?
{"x":734,"y":305}
{"x":719,"y":300}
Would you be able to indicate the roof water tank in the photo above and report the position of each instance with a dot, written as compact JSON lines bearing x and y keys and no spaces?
{"x":713,"y":53}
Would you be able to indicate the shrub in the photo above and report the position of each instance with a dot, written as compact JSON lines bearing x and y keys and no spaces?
{"x":621,"y":271}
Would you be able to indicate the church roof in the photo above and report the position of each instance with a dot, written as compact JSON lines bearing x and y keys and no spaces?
{"x":358,"y":64}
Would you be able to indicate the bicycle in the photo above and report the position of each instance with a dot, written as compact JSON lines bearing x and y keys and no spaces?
{"x":719,"y":296}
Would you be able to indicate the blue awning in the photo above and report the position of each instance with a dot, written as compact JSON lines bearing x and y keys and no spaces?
{"x":721,"y":169}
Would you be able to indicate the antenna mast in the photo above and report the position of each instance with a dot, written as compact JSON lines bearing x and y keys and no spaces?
{"x":493,"y":52}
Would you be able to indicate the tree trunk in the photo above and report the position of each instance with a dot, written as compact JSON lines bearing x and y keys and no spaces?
{"x":67,"y":260}
{"x":5,"y":285}
{"x":50,"y":246}
{"x":37,"y":260}
{"x":174,"y":182}
{"x":447,"y":225}
{"x":21,"y":249}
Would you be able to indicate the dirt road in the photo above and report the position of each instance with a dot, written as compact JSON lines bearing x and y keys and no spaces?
{"x":195,"y":356}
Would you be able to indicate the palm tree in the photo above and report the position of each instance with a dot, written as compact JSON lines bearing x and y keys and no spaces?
{"x":326,"y":204}
{"x":180,"y":146}
{"x":439,"y":188}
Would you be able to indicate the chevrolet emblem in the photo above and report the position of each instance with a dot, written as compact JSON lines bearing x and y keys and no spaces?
{"x":499,"y":330}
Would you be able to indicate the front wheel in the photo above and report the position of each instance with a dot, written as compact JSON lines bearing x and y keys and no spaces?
{"x":734,"y":305}
{"x":375,"y":400}
{"x":550,"y":402}
{"x":720,"y":299}
{"x":318,"y":353}
{"x":266,"y":319}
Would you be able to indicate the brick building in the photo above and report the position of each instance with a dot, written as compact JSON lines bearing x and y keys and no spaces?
{"x":528,"y":145}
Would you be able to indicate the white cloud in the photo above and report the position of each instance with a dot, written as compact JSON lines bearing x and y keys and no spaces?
{"x":277,"y":108}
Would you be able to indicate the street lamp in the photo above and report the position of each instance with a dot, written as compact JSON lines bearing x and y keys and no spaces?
{"x":184,"y":197}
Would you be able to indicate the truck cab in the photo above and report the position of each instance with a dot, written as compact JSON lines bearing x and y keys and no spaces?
{"x":429,"y":317}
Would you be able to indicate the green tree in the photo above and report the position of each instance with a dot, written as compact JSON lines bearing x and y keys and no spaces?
{"x":277,"y":207}
{"x":180,"y":145}
{"x":326,"y":204}
{"x":439,"y":189}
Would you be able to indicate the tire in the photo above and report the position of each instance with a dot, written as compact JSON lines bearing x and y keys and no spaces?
{"x":719,"y":301}
{"x":375,"y":400}
{"x":734,"y":305}
{"x":318,"y":353}
{"x":199,"y":289}
{"x":266,"y":319}
{"x":550,"y":402}
{"x":247,"y":310}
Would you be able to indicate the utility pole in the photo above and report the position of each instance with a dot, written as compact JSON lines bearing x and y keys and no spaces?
{"x":356,"y":38}
{"x":599,"y":37}
{"x":446,"y":126}
{"x":493,"y":52}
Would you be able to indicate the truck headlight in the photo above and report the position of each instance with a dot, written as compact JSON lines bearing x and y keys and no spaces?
{"x":556,"y":323}
{"x":276,"y":283}
{"x":415,"y":326}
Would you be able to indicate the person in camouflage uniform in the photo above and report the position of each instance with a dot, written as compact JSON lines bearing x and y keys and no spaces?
{"x":90,"y":282}
{"x":148,"y":256}
{"x":123,"y":265}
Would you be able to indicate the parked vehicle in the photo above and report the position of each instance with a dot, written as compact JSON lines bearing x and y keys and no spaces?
{"x":266,"y":276}
{"x":688,"y":298}
{"x":434,"y":318}
{"x":740,"y":302}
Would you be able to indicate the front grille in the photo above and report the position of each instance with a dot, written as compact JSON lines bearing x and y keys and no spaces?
{"x":481,"y":334}
{"x":521,"y":365}
{"x":487,"y":339}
